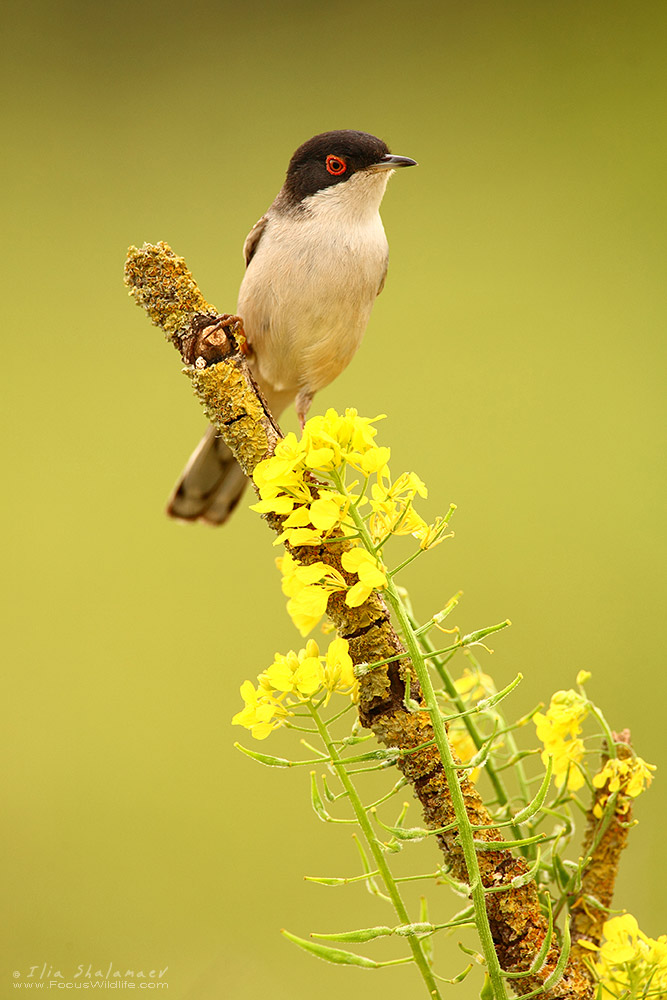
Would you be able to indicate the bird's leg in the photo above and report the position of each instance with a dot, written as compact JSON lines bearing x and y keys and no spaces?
{"x":302,"y":405}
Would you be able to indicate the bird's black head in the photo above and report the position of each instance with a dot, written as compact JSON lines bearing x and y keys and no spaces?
{"x":333,"y":157}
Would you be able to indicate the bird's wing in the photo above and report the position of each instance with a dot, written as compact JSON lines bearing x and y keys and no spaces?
{"x":253,"y":238}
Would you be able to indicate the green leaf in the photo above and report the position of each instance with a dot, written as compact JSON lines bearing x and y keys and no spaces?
{"x":363,"y":934}
{"x":518,"y":880}
{"x":507,"y":845}
{"x":464,"y":916}
{"x":480,"y":758}
{"x":560,"y":871}
{"x":427,"y":943}
{"x":340,"y":880}
{"x":402,"y":815}
{"x":264,"y":758}
{"x":460,"y":888}
{"x":392,"y":846}
{"x":536,"y":804}
{"x":516,"y":758}
{"x":481,"y":633}
{"x":541,"y":956}
{"x":350,"y":741}
{"x":555,"y":976}
{"x":471,"y":951}
{"x":487,"y":990}
{"x":334,"y":955}
{"x":383,"y":756}
{"x":412,"y":832}
{"x":339,"y":957}
{"x":328,"y":794}
{"x":440,"y":616}
{"x":528,"y":876}
{"x":371,"y":884}
{"x":371,"y":933}
{"x":316,"y":800}
{"x":495,"y":699}
{"x":458,"y":979}
{"x":420,"y":927}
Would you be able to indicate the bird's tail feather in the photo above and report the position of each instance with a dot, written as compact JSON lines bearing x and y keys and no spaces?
{"x":211,"y":484}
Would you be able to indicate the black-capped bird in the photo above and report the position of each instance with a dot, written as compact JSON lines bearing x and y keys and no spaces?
{"x":315,"y":264}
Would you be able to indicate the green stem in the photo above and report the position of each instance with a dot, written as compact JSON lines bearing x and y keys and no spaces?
{"x":469,"y":721}
{"x":612,"y":752}
{"x":378,"y":854}
{"x":458,"y":801}
{"x":512,"y":746}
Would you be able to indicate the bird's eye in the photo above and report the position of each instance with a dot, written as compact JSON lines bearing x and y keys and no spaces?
{"x":336,"y":165}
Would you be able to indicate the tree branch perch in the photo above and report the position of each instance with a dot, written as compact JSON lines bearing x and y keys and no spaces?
{"x":211,"y":345}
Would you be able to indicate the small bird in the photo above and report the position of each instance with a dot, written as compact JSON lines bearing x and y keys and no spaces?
{"x":315,"y":263}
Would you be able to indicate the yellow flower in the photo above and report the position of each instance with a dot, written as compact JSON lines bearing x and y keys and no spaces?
{"x":300,"y":536}
{"x":298,"y":529}
{"x":323,"y":459}
{"x":559,"y":730}
{"x":329,"y":510}
{"x":627,"y":777}
{"x":474,"y":684}
{"x":277,"y":505}
{"x":433,"y":534}
{"x":307,"y":607}
{"x":409,"y":522}
{"x":296,"y":576}
{"x":373,"y":460}
{"x":339,"y":670}
{"x":463,"y":745}
{"x":408,"y":484}
{"x":334,"y":438}
{"x":567,"y":710}
{"x":298,"y":676}
{"x":629,"y":962}
{"x":370,"y":573}
{"x":310,"y":522}
{"x":262,"y":713}
{"x":308,"y":588}
{"x":392,"y":510}
{"x":299,"y":673}
{"x":283,"y":471}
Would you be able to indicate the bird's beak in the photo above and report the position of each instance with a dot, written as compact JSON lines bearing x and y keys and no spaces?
{"x":391,"y":161}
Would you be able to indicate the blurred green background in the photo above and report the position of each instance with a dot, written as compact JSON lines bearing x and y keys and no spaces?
{"x":518,"y":350}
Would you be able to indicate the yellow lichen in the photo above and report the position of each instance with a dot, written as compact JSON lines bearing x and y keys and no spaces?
{"x":161,"y":283}
{"x":231,"y":404}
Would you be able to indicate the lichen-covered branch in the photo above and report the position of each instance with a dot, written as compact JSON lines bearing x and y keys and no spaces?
{"x":598,"y":881}
{"x":212,"y":347}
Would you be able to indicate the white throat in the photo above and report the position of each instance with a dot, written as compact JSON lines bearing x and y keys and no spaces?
{"x":355,"y":200}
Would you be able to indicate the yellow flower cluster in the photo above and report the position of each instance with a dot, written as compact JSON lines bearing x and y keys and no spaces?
{"x":630,"y":964}
{"x":559,"y":730}
{"x":312,"y":511}
{"x":309,"y":587}
{"x":627,"y":777}
{"x":294,"y":678}
{"x":328,"y":444}
{"x":393,"y":513}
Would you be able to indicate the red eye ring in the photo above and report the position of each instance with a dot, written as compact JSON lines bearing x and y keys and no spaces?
{"x":336,"y":165}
